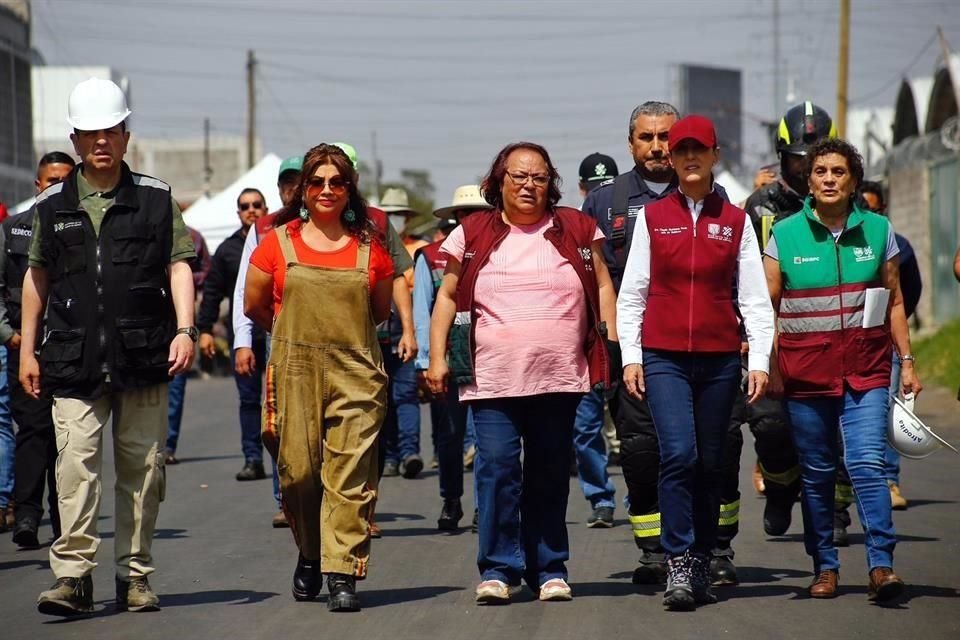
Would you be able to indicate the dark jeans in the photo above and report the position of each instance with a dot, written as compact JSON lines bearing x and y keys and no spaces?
{"x":36,"y":450}
{"x":449,"y":419}
{"x":176,"y":392}
{"x":250,"y":390}
{"x":401,"y":428}
{"x":691,"y":397}
{"x":533,"y":493}
{"x":591,"y":452}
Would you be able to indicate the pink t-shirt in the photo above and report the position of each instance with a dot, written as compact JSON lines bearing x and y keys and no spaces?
{"x":531,"y":318}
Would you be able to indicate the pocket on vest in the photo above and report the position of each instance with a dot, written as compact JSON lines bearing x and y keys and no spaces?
{"x":806,"y":363}
{"x":460,"y":354}
{"x":61,"y":356}
{"x":143,"y":344}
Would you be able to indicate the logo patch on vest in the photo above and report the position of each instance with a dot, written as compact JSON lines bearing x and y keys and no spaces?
{"x":863,"y":254}
{"x":587,"y":254}
{"x":63,"y":226}
{"x":716,"y":232}
{"x":802,"y":260}
{"x":21,"y":231}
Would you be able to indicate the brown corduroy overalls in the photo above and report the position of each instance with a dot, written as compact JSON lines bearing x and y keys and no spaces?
{"x":325,"y":402}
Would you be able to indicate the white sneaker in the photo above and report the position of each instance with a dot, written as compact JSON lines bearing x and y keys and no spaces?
{"x":493,"y":592}
{"x":555,"y":590}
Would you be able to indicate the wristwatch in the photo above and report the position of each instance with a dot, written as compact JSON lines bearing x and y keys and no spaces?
{"x":190,"y":331}
{"x":907,"y":358}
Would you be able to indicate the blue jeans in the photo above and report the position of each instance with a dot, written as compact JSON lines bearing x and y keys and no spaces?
{"x":401,"y":427}
{"x":591,"y":451}
{"x":691,"y":398}
{"x":861,"y":418}
{"x":449,"y":418}
{"x":250,"y":390}
{"x":8,"y":441}
{"x":533,"y":493}
{"x":176,"y":391}
{"x":891,"y":459}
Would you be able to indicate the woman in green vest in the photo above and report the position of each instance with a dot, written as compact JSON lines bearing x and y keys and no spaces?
{"x":833,"y":274}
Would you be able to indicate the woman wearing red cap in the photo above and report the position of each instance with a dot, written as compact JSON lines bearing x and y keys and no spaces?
{"x":695,"y":262}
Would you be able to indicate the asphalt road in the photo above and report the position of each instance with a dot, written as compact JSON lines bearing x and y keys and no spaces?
{"x":223,"y":572}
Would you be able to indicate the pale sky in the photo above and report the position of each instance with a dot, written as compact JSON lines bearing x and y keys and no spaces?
{"x":446,"y":83}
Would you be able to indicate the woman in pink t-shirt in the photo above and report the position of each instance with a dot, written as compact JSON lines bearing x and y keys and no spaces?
{"x":528,"y":294}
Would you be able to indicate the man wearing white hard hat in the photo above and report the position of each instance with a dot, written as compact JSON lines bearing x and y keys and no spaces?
{"x":449,"y":417}
{"x":108,"y":265}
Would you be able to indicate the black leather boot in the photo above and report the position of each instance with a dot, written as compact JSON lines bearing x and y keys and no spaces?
{"x":343,"y":593}
{"x":307,"y":580}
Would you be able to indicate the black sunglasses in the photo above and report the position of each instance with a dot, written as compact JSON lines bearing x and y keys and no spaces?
{"x":246,"y":205}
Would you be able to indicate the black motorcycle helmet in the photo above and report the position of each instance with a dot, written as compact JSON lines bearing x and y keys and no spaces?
{"x":801,"y":126}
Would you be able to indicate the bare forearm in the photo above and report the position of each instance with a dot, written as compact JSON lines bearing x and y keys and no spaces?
{"x":608,"y":311}
{"x":444,"y":312}
{"x":404,"y":304}
{"x":899,"y":329}
{"x":181,"y":291}
{"x":35,"y":285}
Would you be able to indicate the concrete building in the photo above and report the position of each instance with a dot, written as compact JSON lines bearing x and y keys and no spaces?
{"x":16,"y":142}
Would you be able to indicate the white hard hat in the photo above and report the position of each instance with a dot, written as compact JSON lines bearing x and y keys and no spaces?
{"x":96,"y":104}
{"x":908,"y":435}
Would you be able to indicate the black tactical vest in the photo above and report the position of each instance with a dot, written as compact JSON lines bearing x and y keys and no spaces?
{"x":109,"y":309}
{"x":17,"y":231}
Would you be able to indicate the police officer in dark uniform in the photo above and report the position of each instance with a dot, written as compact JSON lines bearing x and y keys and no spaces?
{"x":36,"y":449}
{"x":614,"y":204}
{"x":801,"y":126}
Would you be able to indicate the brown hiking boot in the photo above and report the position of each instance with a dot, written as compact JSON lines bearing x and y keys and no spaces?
{"x":884,"y":585}
{"x":68,"y":597}
{"x":825,"y":584}
{"x":136,"y":595}
{"x":897,"y":501}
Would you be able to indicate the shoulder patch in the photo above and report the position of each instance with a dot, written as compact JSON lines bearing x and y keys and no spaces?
{"x":52,"y":190}
{"x":147,"y":181}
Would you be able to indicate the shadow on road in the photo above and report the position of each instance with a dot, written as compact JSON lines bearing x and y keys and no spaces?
{"x":855,"y":538}
{"x":609,"y":589}
{"x":921,"y":502}
{"x":159,"y":534}
{"x":750,"y":575}
{"x":106,"y":608}
{"x":189,"y":459}
{"x":19,"y":564}
{"x":384,"y":597}
{"x":396,"y":517}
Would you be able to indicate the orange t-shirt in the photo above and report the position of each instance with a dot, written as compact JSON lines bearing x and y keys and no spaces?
{"x":268,"y":257}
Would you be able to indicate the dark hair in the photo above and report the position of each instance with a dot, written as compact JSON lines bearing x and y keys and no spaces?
{"x":251,"y":190}
{"x":56,"y":157}
{"x":330,"y":154}
{"x":826,"y":146}
{"x":492,"y":185}
{"x":870,"y":186}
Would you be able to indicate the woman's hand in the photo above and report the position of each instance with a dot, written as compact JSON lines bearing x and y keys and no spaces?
{"x":437,"y":376}
{"x":909,"y":382}
{"x":756,"y":385}
{"x":633,"y":381}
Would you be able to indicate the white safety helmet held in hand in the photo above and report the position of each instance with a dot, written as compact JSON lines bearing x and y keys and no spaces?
{"x":908,"y":435}
{"x":96,"y":104}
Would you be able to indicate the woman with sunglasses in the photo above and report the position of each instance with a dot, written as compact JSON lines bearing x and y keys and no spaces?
{"x":528,"y":294}
{"x":320,"y":284}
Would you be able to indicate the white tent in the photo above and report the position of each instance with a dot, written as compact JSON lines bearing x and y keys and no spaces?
{"x":216,"y":217}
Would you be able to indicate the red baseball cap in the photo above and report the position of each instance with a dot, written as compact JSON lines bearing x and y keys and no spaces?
{"x":693,"y":127}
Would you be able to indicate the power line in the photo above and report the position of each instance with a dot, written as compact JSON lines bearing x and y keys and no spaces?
{"x":899,"y":77}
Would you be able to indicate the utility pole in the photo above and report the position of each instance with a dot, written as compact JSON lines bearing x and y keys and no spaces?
{"x":945,"y":50}
{"x":207,"y":169}
{"x":777,"y":93}
{"x":251,"y":108}
{"x":843,"y":66}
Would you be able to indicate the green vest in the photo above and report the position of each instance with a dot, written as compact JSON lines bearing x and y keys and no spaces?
{"x":822,"y":346}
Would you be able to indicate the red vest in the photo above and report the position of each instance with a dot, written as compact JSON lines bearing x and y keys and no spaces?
{"x":690,"y":305}
{"x":281,"y":217}
{"x":572,"y":234}
{"x":436,"y":262}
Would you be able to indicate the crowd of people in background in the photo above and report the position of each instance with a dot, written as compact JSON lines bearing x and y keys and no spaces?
{"x":642,"y":330}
